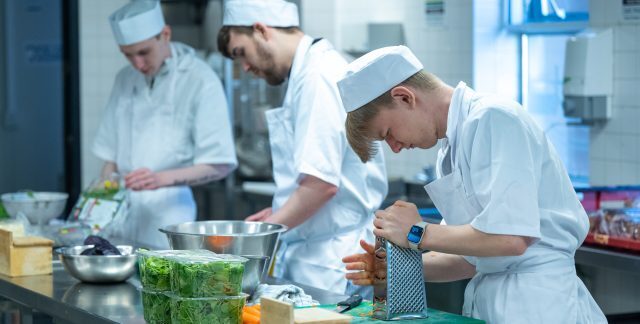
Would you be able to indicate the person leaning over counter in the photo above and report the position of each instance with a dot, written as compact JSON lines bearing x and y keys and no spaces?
{"x":166,"y":125}
{"x":512,"y":221}
{"x":324,"y":194}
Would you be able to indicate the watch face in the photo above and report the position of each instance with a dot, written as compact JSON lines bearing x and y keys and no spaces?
{"x":415,"y":234}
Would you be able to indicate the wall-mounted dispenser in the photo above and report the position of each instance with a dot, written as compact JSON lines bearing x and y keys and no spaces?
{"x":588,"y":76}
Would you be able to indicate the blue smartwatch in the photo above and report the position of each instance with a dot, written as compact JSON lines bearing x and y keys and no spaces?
{"x":416,"y":234}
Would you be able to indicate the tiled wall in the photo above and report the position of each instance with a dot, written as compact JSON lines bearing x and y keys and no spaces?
{"x":444,"y":45}
{"x":615,"y":146}
{"x":100,"y":61}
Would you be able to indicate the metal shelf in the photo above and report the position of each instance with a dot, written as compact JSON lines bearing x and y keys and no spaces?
{"x":604,"y":258}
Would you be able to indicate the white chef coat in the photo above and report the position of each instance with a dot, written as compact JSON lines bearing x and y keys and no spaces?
{"x":498,"y":172}
{"x":183,"y":120}
{"x":307,"y":137}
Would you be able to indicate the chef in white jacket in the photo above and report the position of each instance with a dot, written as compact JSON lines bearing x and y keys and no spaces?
{"x":324,"y":194}
{"x":166,"y":125}
{"x":512,"y":221}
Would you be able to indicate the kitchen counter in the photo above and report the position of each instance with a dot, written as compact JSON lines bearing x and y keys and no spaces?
{"x":67,"y":300}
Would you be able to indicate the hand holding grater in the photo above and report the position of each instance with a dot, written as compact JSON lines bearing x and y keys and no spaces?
{"x":398,"y":287}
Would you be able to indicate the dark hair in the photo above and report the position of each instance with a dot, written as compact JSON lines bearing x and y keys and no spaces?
{"x":225,"y":31}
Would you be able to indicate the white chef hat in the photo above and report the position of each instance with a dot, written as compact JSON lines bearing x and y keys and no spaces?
{"x":137,"y":21}
{"x":274,"y":13}
{"x":375,"y":73}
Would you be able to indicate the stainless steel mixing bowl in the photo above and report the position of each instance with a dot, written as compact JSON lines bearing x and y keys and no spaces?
{"x":227,"y":237}
{"x":98,"y":268}
{"x":254,"y":271}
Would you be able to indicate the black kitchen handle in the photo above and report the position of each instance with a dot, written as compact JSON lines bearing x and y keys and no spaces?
{"x":351,"y":302}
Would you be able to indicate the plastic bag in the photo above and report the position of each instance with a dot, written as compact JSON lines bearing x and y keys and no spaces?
{"x":104,"y":207}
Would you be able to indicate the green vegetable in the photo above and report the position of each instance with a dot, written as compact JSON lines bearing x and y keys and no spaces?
{"x":102,"y":193}
{"x":3,"y":212}
{"x":207,"y":276}
{"x":156,"y":307}
{"x":155,"y":270}
{"x":155,"y":266}
{"x":219,"y":310}
{"x":30,"y":194}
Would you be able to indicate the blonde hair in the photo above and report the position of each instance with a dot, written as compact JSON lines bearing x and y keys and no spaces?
{"x":359,"y":121}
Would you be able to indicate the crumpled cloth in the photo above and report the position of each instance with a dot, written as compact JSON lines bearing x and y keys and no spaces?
{"x":286,"y":293}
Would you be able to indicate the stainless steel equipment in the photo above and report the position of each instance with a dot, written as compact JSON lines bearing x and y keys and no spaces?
{"x":227,"y":237}
{"x":398,"y":290}
{"x":120,"y":300}
{"x":254,"y":271}
{"x":98,"y":268}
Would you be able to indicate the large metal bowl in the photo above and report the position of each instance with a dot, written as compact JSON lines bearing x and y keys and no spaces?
{"x":226,"y":237}
{"x":254,"y":271}
{"x":98,"y":268}
{"x":38,"y":207}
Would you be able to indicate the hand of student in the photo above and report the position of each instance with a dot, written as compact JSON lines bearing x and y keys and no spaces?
{"x":395,"y":222}
{"x":259,"y":216}
{"x":363,"y":263}
{"x":143,"y":179}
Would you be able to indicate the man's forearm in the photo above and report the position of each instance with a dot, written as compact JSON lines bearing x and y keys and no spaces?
{"x":195,"y":175}
{"x":306,"y":200}
{"x":466,"y":240}
{"x":442,"y":267}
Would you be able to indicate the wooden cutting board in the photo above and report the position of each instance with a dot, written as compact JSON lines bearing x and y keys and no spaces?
{"x":276,"y":312}
{"x":319,"y":315}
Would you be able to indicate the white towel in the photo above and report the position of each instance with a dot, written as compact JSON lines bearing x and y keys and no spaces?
{"x":286,"y":293}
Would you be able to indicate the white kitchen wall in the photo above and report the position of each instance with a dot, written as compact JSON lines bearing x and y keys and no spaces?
{"x":444,"y":46}
{"x":496,"y":52}
{"x":100,"y":61}
{"x":615,"y":146}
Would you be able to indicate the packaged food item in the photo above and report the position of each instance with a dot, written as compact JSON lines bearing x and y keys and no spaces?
{"x":205,"y":276}
{"x":217,"y":309}
{"x":619,"y":223}
{"x":103,"y":206}
{"x":156,"y":307}
{"x":155,"y":266}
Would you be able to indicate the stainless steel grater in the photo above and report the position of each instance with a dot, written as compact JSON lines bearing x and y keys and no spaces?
{"x":398,"y":290}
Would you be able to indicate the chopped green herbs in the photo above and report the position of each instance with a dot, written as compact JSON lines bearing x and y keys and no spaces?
{"x":156,"y":307}
{"x":220,"y":310}
{"x":207,"y":276}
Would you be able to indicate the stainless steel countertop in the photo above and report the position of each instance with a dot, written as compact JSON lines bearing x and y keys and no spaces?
{"x":63,"y":297}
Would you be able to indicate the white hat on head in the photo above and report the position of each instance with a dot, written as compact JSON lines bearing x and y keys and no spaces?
{"x":273,"y":13}
{"x":137,"y":21}
{"x":375,"y":73}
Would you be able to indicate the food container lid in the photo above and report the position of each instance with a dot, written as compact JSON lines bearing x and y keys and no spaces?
{"x":207,"y":258}
{"x":175,"y":296}
{"x":173,"y":253}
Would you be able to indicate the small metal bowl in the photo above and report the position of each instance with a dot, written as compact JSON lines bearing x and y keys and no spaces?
{"x":98,"y":268}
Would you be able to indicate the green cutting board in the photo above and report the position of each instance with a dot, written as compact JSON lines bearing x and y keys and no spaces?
{"x":362,"y":315}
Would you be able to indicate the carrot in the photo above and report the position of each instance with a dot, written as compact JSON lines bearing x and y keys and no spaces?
{"x":251,"y":315}
{"x":248,"y":318}
{"x":252,"y":311}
